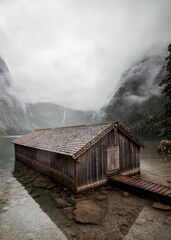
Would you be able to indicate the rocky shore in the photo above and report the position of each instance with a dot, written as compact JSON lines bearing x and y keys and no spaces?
{"x":106,"y":213}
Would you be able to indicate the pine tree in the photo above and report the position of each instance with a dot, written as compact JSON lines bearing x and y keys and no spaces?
{"x":166,"y":84}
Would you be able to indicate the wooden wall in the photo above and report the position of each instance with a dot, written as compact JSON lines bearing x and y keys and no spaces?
{"x":57,"y":166}
{"x":128,"y":154}
{"x":91,"y":165}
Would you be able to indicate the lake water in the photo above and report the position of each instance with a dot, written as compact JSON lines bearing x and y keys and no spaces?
{"x":154,"y":167}
{"x":21,"y":218}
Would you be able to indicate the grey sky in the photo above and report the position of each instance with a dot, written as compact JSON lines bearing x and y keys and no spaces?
{"x":73,"y":52}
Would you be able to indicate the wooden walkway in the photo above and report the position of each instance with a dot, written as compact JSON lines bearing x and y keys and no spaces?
{"x":156,"y":190}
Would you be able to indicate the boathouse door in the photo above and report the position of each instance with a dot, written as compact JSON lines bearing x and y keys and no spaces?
{"x":112,"y":159}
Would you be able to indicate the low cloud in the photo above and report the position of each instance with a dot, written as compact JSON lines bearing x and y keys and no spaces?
{"x":73,"y":52}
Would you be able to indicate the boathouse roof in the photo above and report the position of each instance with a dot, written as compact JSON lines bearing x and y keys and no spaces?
{"x":72,"y":141}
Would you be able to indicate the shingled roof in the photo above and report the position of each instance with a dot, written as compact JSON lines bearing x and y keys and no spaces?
{"x":72,"y":141}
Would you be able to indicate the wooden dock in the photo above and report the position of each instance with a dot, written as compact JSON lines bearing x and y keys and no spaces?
{"x":160,"y":192}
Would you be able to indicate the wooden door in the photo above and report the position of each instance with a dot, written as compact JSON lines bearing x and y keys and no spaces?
{"x":112,"y":159}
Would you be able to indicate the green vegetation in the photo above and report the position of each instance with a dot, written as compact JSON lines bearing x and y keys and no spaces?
{"x":166,"y":84}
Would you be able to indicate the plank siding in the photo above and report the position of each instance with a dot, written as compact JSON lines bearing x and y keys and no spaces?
{"x":63,"y":166}
{"x":128,"y":154}
{"x":90,"y":167}
{"x":96,"y":159}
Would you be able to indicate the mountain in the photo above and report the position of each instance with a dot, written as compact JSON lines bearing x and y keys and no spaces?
{"x":14,"y":119}
{"x":137,"y":102}
{"x":45,"y":115}
{"x":11,"y":113}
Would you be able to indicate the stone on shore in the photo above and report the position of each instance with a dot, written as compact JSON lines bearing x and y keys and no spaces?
{"x":88,"y":212}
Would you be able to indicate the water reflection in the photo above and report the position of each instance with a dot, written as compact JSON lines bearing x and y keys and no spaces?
{"x":155,"y":167}
{"x":20,"y":216}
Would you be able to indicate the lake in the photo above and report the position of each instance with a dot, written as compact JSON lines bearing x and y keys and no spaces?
{"x":154,"y":167}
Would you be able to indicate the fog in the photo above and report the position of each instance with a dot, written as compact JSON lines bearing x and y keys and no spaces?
{"x":73,"y":52}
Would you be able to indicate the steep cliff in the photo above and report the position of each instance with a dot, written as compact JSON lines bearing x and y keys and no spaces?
{"x":137,"y":102}
{"x":11,"y":113}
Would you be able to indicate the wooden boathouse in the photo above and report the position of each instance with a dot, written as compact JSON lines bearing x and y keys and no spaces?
{"x":81,"y":157}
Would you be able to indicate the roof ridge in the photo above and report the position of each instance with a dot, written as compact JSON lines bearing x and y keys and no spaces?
{"x":83,"y":125}
{"x":94,"y":140}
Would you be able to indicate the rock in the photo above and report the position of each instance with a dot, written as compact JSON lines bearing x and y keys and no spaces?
{"x":56,"y":190}
{"x":70,"y":216}
{"x":6,"y":208}
{"x":67,"y":210}
{"x":125,"y":223}
{"x":164,"y":146}
{"x":35,"y":195}
{"x":88,"y":212}
{"x":100,"y":197}
{"x":125,"y":194}
{"x":29,"y":190}
{"x":68,"y":225}
{"x":109,"y":187}
{"x":54,"y":195}
{"x":61,"y":203}
{"x":72,"y":200}
{"x":51,"y":186}
{"x":42,"y":182}
{"x":168,"y":221}
{"x":124,"y":230}
{"x":161,"y":206}
{"x":133,"y":212}
{"x":89,"y":236}
{"x":113,"y":236}
{"x":150,"y":219}
{"x":140,"y":221}
{"x":122,"y":213}
{"x":104,"y":192}
{"x":74,"y":235}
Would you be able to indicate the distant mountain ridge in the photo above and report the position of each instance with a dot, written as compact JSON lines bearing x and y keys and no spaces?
{"x":16,"y":120}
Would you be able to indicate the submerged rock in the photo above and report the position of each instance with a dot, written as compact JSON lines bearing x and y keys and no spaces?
{"x":100,"y":197}
{"x":35,"y":195}
{"x":161,"y":206}
{"x":168,"y":221}
{"x":125,"y":194}
{"x":113,"y":236}
{"x":88,"y":212}
{"x":90,"y":236}
{"x":61,"y":203}
{"x":43,"y":182}
{"x":122,"y":213}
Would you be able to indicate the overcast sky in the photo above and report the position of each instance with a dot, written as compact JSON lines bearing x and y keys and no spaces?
{"x":73,"y":52}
